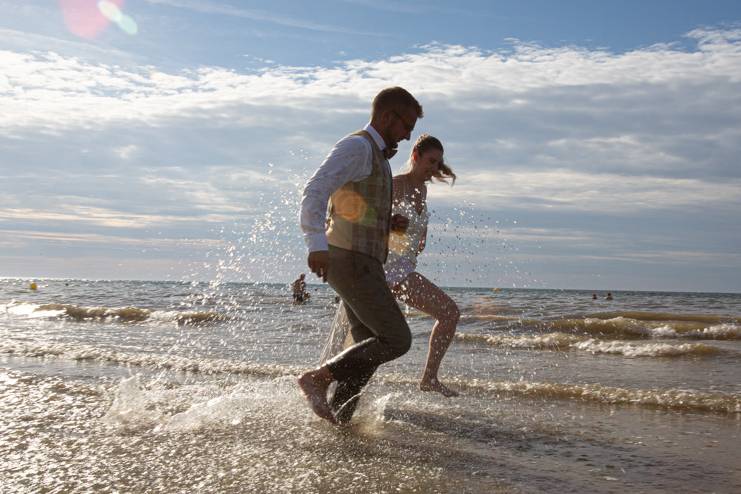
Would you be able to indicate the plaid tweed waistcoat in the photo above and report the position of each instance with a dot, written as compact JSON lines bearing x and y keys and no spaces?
{"x":360,"y":212}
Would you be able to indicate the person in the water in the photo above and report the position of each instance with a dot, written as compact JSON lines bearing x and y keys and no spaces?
{"x":300,"y":295}
{"x":410,"y":199}
{"x":350,"y":248}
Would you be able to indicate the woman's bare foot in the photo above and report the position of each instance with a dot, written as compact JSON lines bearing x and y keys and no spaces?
{"x":436,"y":386}
{"x":314,"y":385}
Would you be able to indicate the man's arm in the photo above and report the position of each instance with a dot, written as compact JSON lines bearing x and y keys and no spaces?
{"x":350,"y":160}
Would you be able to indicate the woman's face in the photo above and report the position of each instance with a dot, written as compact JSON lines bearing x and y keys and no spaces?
{"x":427,"y":163}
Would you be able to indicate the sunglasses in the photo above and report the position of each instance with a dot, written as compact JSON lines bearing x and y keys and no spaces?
{"x":408,"y":127}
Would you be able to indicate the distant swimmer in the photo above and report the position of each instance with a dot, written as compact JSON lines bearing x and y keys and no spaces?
{"x":594,"y":296}
{"x":300,"y":295}
{"x":609,"y":296}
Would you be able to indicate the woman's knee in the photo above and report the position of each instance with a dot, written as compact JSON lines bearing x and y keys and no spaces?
{"x":449,"y":313}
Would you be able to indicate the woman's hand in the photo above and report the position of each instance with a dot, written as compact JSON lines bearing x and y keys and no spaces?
{"x":399,"y":223}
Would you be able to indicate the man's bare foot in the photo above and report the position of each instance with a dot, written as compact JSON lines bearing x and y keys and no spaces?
{"x":314,"y":385}
{"x":436,"y":386}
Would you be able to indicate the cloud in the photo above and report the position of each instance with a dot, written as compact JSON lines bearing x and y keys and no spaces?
{"x":589,"y":192}
{"x":95,"y":239}
{"x":558,"y":135}
{"x":467,"y":78}
{"x":98,"y":216}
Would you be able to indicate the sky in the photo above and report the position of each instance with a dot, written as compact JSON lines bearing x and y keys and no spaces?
{"x":596,"y":144}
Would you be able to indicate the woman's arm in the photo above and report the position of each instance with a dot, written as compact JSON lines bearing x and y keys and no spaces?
{"x":422,"y":242}
{"x":398,"y":189}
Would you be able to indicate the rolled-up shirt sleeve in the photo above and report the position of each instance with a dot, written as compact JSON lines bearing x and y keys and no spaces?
{"x":349,"y":161}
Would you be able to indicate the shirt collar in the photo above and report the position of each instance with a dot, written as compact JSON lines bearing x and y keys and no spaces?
{"x":376,"y":136}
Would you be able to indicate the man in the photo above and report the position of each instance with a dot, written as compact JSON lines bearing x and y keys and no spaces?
{"x":299,"y":290}
{"x":350,"y":252}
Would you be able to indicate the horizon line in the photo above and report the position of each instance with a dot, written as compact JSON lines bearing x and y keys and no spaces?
{"x":481,"y":287}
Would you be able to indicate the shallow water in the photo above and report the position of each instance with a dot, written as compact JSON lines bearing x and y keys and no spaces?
{"x":170,"y":387}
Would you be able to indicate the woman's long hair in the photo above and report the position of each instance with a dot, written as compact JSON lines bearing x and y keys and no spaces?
{"x":426,"y":142}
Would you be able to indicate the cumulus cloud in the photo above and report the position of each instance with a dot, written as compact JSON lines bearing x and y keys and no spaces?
{"x":603,"y":192}
{"x":530,"y":130}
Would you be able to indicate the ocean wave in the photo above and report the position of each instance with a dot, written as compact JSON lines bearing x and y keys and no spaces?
{"x":666,"y":316}
{"x":648,"y":349}
{"x":724,"y":331}
{"x":488,"y":317}
{"x":564,"y":342}
{"x":152,"y":361}
{"x":625,"y":328}
{"x":671,"y":399}
{"x":118,"y":314}
{"x":551,"y":341}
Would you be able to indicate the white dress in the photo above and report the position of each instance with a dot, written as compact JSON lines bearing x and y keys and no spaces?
{"x":403,"y":247}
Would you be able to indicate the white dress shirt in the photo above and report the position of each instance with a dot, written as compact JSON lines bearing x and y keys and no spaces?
{"x":350,"y":160}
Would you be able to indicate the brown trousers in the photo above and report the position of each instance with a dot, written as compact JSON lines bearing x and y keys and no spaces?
{"x":378,"y":327}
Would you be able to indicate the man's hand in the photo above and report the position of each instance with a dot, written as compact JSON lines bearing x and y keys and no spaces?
{"x":319,"y":263}
{"x":399,"y":223}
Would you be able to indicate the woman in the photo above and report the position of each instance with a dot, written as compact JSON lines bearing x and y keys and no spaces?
{"x":410,"y":200}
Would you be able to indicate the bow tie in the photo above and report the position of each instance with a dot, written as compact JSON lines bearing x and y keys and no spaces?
{"x":389,"y":152}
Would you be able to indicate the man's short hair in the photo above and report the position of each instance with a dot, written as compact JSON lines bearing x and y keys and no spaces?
{"x":395,"y":98}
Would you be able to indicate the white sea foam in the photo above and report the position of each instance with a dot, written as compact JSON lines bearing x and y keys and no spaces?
{"x":237,"y":405}
{"x":554,"y":341}
{"x":621,"y":327}
{"x":647,"y":349}
{"x":675,"y":399}
{"x":725,"y":331}
{"x":193,"y":407}
{"x":152,"y":361}
{"x":25,"y":310}
{"x":563,"y":341}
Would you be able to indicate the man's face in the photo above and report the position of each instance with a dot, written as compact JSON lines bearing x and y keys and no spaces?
{"x":401,"y":125}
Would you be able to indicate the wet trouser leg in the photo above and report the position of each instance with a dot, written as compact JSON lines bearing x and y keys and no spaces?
{"x":377,"y":324}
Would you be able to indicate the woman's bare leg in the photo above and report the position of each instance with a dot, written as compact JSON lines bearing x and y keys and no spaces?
{"x":420,"y":293}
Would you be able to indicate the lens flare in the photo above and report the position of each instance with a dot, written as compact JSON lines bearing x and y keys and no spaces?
{"x":128,"y":25}
{"x":113,"y":13}
{"x":350,"y":206}
{"x":110,"y":11}
{"x":89,"y":18}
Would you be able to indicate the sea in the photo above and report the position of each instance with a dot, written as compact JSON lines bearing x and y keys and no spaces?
{"x":182,"y":387}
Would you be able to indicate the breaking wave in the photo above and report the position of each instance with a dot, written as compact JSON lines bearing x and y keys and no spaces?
{"x":648,"y":349}
{"x":116,"y":314}
{"x":551,"y":341}
{"x":564,"y":341}
{"x":666,"y":316}
{"x":671,"y":399}
{"x":152,"y":361}
{"x":626,"y":328}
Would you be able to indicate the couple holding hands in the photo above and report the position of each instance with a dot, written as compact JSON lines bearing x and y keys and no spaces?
{"x":367,"y":251}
